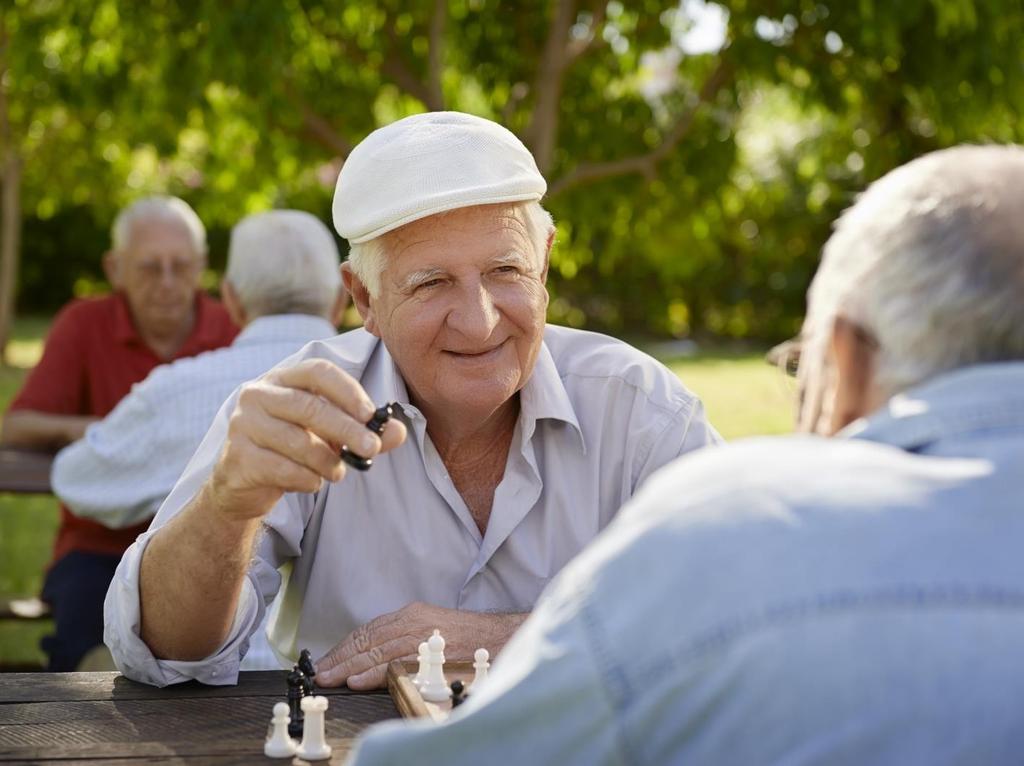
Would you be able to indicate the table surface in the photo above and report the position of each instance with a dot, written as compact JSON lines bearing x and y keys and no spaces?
{"x":103,"y":718}
{"x":25,"y":471}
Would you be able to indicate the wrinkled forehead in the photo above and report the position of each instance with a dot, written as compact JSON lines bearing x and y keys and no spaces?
{"x":156,"y":234}
{"x":480,"y":230}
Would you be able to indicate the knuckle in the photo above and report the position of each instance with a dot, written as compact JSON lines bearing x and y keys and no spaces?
{"x":296,"y":441}
{"x":247,"y":395}
{"x":362,"y":640}
{"x":376,"y":656}
{"x":310,"y":408}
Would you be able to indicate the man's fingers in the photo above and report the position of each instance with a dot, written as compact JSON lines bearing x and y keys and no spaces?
{"x":393,"y":435}
{"x":263,"y":467}
{"x":295,"y":444}
{"x":320,"y":377}
{"x":358,"y":663}
{"x":319,"y":416}
{"x":374,"y":678}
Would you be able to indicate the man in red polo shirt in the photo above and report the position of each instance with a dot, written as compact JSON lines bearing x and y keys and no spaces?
{"x":96,"y":350}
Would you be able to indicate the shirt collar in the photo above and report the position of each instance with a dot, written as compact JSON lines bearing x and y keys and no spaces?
{"x":285,"y":327}
{"x":963,"y":401}
{"x":543,"y":397}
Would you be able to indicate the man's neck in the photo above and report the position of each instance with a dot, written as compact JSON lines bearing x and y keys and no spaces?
{"x":474,"y":451}
{"x":166,"y":342}
{"x":463,"y":434}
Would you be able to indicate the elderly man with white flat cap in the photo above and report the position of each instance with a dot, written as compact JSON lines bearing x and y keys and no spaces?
{"x":512,"y":443}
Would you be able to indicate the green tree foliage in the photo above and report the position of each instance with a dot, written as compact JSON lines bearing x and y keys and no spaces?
{"x":693,"y":190}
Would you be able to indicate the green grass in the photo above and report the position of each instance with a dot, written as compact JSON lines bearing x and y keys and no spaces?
{"x":743,"y":396}
{"x":28,"y":523}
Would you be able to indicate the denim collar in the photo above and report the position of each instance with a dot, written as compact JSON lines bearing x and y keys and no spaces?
{"x":982,"y":397}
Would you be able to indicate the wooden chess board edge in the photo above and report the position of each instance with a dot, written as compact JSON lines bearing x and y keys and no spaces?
{"x":406,"y":696}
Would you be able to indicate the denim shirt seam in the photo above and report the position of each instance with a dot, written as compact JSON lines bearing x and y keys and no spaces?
{"x":614,"y":680}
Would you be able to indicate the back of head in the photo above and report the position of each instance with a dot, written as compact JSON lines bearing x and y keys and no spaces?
{"x":930,"y":261}
{"x":158,"y":207}
{"x":283,"y":262}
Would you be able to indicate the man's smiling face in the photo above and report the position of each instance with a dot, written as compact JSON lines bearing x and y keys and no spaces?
{"x":462,"y":307}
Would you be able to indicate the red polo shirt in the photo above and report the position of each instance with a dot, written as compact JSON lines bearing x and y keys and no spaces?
{"x":92,"y":357}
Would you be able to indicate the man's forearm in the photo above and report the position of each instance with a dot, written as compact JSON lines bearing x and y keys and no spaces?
{"x":191,"y":577}
{"x":42,"y":430}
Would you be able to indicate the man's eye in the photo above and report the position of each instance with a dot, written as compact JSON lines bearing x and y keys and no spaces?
{"x":429,"y":283}
{"x":507,"y":269}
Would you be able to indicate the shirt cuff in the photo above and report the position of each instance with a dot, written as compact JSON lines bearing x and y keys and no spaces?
{"x":122,"y":625}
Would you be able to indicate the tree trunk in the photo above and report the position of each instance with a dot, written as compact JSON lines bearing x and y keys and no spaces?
{"x":10,"y":225}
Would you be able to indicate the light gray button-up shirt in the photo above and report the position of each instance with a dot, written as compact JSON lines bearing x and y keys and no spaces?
{"x":596,"y":417}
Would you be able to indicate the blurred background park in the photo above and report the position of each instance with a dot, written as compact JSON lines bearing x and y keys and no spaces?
{"x":696,"y":152}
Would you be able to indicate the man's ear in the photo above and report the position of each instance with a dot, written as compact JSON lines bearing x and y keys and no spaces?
{"x":360,"y":297}
{"x":232,"y":304}
{"x":547,"y":257}
{"x":853,"y":353}
{"x":340,"y":304}
{"x":113,"y":265}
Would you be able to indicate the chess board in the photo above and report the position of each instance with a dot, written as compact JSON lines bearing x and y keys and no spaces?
{"x":407,"y":697}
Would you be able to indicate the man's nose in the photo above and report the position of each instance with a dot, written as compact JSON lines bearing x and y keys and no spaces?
{"x":168,"y":275}
{"x":476,"y":314}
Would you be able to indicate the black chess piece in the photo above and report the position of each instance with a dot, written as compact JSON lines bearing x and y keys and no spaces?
{"x":376,"y":424}
{"x":458,"y":693}
{"x":307,"y":668}
{"x":296,"y":691}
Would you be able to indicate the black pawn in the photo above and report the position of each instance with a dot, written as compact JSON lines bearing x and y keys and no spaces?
{"x":458,"y":693}
{"x":376,"y":424}
{"x":296,"y":691}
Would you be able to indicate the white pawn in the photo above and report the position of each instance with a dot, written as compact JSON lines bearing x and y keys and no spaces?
{"x":480,"y":665}
{"x":421,"y":671}
{"x":280,"y":745}
{"x":434,"y":687}
{"x":314,"y":745}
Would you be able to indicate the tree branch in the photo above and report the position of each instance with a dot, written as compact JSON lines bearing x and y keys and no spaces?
{"x":395,"y":69}
{"x":315,"y":126}
{"x":598,"y":12}
{"x":322,"y":132}
{"x":435,"y":55}
{"x":647,"y":163}
{"x":543,"y":128}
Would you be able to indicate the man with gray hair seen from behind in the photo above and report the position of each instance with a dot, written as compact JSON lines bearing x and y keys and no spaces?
{"x":283,"y":286}
{"x":523,"y":439}
{"x":96,"y":349}
{"x":847,"y":600}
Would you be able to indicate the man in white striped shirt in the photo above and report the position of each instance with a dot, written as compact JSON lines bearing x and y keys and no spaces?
{"x":283,"y":286}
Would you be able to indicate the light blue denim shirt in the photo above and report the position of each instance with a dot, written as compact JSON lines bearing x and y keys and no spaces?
{"x":792,"y":600}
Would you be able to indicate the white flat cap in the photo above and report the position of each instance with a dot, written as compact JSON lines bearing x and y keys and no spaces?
{"x":426,"y":164}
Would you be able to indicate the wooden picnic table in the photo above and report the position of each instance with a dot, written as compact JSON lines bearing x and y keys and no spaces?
{"x":25,"y":471}
{"x":94,"y":718}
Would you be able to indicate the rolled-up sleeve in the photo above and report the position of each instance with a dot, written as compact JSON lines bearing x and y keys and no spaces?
{"x":123,"y":621}
{"x":122,"y":610}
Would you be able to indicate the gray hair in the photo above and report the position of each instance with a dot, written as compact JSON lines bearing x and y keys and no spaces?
{"x":930,"y":260}
{"x":369,"y":258}
{"x":159,"y":207}
{"x":283,"y":262}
